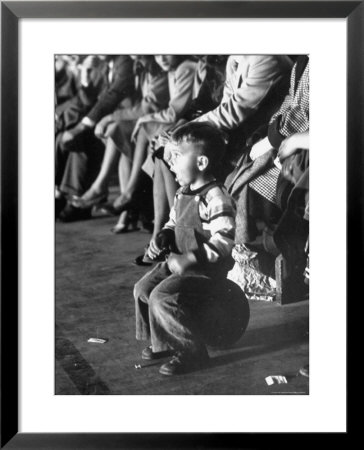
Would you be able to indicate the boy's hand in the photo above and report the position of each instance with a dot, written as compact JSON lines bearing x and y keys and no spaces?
{"x":165,"y":240}
{"x":153,"y":249}
{"x":178,"y":264}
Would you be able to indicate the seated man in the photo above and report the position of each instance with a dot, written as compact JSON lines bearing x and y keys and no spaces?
{"x":255,"y":87}
{"x":85,"y":150}
{"x":90,"y":80}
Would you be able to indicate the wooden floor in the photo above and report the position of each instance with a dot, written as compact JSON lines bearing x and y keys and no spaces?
{"x":94,"y":282}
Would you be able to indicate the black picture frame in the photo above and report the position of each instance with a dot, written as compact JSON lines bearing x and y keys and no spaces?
{"x":11,"y":12}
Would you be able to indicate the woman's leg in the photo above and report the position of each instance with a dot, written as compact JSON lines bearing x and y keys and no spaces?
{"x":138,"y":159}
{"x":160,"y":199}
{"x":124,"y":172}
{"x":164,"y":190}
{"x":101,"y":183}
{"x":169,"y":182}
{"x":124,"y":175}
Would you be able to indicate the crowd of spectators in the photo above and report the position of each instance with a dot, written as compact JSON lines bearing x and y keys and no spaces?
{"x":114,"y":118}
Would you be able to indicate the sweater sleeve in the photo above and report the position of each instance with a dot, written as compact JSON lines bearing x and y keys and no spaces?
{"x":155,"y":97}
{"x":181,"y":96}
{"x":219,"y":218}
{"x":239,"y":104}
{"x":121,"y":87}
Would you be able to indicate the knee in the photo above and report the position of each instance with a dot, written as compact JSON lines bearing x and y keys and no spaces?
{"x":165,"y":297}
{"x":155,"y":301}
{"x":139,"y":291}
{"x":159,"y":301}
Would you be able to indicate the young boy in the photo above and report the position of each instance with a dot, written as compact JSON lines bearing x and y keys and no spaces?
{"x":186,"y":301}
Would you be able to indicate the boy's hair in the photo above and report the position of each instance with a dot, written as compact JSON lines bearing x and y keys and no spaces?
{"x":210,"y":140}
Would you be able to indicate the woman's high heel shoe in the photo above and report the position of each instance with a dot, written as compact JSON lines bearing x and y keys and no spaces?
{"x":86,"y":203}
{"x":129,"y":223}
{"x":117,"y":208}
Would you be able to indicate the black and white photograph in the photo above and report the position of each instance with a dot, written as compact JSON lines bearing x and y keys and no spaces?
{"x":181,"y":220}
{"x":182,"y":224}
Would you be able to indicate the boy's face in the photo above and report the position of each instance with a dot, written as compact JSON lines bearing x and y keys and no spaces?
{"x":184,"y":163}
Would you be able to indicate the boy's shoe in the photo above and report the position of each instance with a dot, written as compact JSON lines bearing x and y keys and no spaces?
{"x":148,"y":353}
{"x":184,"y":362}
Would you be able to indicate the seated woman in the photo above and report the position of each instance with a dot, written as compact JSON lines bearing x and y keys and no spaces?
{"x":115,"y":131}
{"x":207,"y":93}
{"x":181,"y":72}
{"x":273,"y":184}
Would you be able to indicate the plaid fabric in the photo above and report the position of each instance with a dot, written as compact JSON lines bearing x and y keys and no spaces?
{"x":266,"y":184}
{"x":293,"y":117}
{"x":295,"y":111}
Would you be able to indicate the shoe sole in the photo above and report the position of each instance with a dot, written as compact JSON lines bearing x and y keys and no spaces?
{"x":156,"y":356}
{"x":192,"y":368}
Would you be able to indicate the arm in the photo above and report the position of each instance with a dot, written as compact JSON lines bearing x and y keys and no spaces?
{"x":220,"y":213}
{"x":155,"y":96}
{"x":295,"y":142}
{"x":263,"y":72}
{"x":180,"y":98}
{"x":221,"y":216}
{"x":120,"y":88}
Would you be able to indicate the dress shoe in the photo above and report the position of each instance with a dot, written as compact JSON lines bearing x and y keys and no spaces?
{"x":139,"y":261}
{"x":111,"y":210}
{"x":148,"y":353}
{"x":128,"y":222}
{"x":184,"y":362}
{"x":72,"y":214}
{"x":86,"y":203}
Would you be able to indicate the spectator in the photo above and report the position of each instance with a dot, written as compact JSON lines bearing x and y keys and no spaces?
{"x":116,"y":128}
{"x":86,"y":152}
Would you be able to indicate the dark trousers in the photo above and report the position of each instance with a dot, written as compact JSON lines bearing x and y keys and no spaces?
{"x":187,"y":312}
{"x":83,"y":164}
{"x":61,"y":157}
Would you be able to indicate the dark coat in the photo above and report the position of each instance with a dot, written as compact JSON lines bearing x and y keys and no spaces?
{"x":120,"y":88}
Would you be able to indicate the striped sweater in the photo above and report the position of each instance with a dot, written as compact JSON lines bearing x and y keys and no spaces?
{"x":217,"y":214}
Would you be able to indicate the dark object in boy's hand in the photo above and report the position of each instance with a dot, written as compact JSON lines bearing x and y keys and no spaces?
{"x":165,"y":239}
